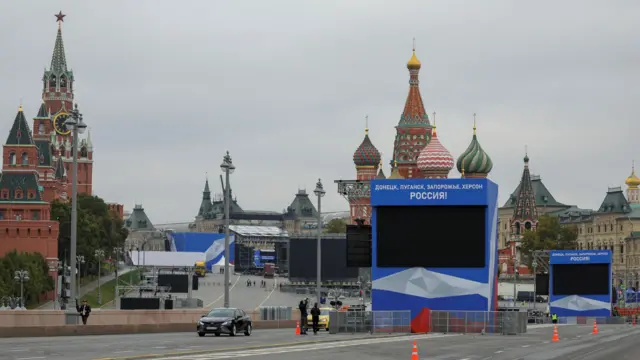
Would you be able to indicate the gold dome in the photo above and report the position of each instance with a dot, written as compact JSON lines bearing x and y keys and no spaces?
{"x":414,"y":63}
{"x":633,"y":181}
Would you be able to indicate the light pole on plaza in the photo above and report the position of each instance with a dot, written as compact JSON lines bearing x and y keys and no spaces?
{"x":21,"y":276}
{"x":77,"y":126}
{"x":319,"y":191}
{"x":80,"y":261}
{"x":117,"y":251}
{"x":99,"y":253}
{"x":55,"y":265}
{"x":228,"y":168}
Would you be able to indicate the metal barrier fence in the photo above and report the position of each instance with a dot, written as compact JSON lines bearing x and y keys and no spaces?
{"x":489,"y":322}
{"x":369,"y":322}
{"x":275,"y":313}
{"x":588,"y":320}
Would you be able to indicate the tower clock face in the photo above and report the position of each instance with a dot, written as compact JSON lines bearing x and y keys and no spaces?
{"x":59,"y":123}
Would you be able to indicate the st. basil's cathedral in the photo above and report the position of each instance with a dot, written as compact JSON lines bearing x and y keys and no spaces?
{"x":417,"y":153}
{"x":36,"y":166}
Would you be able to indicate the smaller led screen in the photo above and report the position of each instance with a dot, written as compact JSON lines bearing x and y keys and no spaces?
{"x":581,"y":279}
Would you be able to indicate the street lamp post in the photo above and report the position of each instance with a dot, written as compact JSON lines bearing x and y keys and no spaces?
{"x":228,"y":168}
{"x":534,"y":264}
{"x":77,"y":126}
{"x":55,"y":265}
{"x":117,"y":251}
{"x":21,"y":276}
{"x":80,"y":260}
{"x":319,"y":191}
{"x":99,"y":253}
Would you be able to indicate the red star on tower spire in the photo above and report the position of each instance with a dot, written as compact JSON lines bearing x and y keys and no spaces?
{"x":60,"y":17}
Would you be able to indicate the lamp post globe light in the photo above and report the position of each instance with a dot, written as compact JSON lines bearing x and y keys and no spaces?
{"x":20,"y":276}
{"x":227,"y":168}
{"x":77,"y":126}
{"x":99,"y":253}
{"x":319,"y":191}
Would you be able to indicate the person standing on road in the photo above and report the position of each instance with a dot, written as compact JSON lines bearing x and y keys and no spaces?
{"x":84,"y":310}
{"x":315,"y":318}
{"x":303,"y":316}
{"x":554,"y":318}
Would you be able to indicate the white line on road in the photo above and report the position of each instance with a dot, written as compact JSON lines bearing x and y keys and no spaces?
{"x":18,"y":350}
{"x":499,"y":351}
{"x":159,"y":347}
{"x":32,"y":358}
{"x":525,"y":346}
{"x":300,"y":348}
{"x":122,"y":351}
{"x":275,"y":286}
{"x":221,"y":296}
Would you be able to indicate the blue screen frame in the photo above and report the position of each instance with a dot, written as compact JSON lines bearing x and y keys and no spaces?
{"x":580,"y":305}
{"x":423,"y":289}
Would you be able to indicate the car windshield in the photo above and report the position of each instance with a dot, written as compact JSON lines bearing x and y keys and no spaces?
{"x":221,"y":313}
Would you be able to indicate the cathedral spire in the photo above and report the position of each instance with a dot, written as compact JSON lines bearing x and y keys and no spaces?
{"x":206,"y":205}
{"x":58,"y":60}
{"x":525,"y":213}
{"x":20,"y":133}
{"x":413,"y":131}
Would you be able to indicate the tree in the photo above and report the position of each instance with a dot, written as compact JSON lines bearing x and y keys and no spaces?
{"x":39,"y":280}
{"x":336,"y":226}
{"x":549,"y":235}
{"x":98,"y":228}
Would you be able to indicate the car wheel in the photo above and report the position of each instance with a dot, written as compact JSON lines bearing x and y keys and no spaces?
{"x":201,"y":334}
{"x":232,"y":331}
{"x":327,"y":329}
{"x":216,"y":334}
{"x":247,"y":331}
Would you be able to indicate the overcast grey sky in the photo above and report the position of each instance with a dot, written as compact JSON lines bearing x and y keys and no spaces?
{"x":167,"y":87}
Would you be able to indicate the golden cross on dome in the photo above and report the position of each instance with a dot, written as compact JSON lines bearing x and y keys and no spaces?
{"x":366,"y":124}
{"x":474,"y":123}
{"x":414,"y":44}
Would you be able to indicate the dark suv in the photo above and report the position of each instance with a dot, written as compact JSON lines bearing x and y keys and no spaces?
{"x":224,"y":321}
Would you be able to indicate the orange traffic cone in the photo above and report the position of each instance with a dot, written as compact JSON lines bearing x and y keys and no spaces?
{"x":414,"y":352}
{"x":297,"y":327}
{"x":595,"y":328}
{"x":555,"y":334}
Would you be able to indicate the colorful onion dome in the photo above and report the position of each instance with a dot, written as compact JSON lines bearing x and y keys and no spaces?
{"x":632,"y":181}
{"x":474,"y":161}
{"x":414,"y":63}
{"x":435,"y":160}
{"x":366,"y":154}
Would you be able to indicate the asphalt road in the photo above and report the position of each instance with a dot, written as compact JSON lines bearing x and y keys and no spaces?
{"x":577,"y":343}
{"x":619,"y":342}
{"x":125,"y":346}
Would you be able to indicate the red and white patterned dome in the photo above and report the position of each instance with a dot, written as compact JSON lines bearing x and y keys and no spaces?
{"x":435,"y":161}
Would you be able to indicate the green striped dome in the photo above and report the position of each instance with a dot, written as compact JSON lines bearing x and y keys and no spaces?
{"x":474,"y":160}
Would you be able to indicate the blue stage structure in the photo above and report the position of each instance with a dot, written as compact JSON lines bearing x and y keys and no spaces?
{"x":580,"y":282}
{"x":459,"y":267}
{"x":212,"y":244}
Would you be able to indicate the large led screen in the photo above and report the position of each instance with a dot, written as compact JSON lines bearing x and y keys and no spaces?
{"x":581,"y":279}
{"x":302,"y":260}
{"x":431,"y":236}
